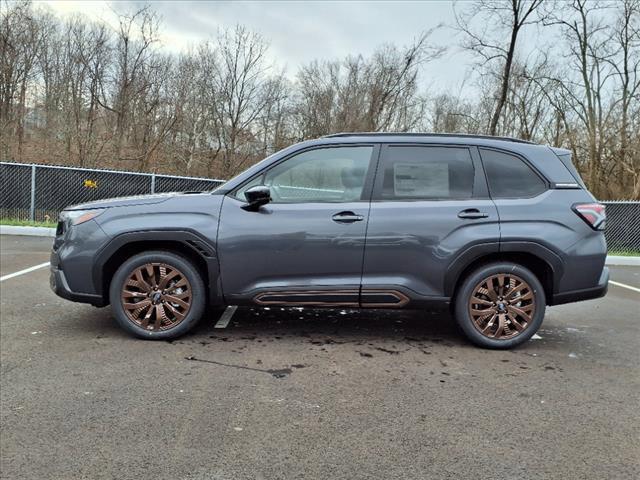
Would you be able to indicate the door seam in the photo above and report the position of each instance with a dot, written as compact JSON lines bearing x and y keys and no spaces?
{"x":366,"y":228}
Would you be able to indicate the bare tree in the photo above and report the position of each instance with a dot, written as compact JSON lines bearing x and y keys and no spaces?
{"x":527,"y":107}
{"x":77,"y":60}
{"x":136,"y":35}
{"x":152,"y":117}
{"x":583,"y":84}
{"x":626,"y":65}
{"x":20,"y":41}
{"x":509,"y":18}
{"x":317,"y":98}
{"x":275,"y":124}
{"x":194,"y":133}
{"x":392,"y":83}
{"x":239,"y":78}
{"x":358,"y":94}
{"x":450,"y":113}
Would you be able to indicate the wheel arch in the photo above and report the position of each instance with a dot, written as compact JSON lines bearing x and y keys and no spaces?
{"x":545,"y":264}
{"x":184,"y":243}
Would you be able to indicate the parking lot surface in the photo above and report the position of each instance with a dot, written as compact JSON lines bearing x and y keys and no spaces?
{"x":282,"y":394}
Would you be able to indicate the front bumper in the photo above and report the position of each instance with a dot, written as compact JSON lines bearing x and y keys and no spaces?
{"x":72,"y":258}
{"x":60,"y":286}
{"x":600,"y":290}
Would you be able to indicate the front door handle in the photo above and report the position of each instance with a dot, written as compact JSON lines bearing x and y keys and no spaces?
{"x":347,"y":217}
{"x":472,"y":213}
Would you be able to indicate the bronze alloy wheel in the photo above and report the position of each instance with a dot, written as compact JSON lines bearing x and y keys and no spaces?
{"x":502,"y":306}
{"x":156,"y":296}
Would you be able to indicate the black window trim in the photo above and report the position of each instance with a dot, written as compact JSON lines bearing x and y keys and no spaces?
{"x":526,"y":161}
{"x":477,"y":192}
{"x":367,"y":188}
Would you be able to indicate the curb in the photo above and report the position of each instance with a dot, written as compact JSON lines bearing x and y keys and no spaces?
{"x":51,"y":232}
{"x":624,"y":261}
{"x":31,"y":231}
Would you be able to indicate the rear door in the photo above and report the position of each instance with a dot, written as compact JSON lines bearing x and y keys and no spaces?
{"x":430,"y":204}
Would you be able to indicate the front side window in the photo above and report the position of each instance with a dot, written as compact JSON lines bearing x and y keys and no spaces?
{"x":429,"y":173}
{"x":334,"y":174}
{"x":509,"y":176}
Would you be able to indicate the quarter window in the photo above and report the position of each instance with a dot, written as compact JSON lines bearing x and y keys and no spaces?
{"x":334,"y":174}
{"x":252,"y":183}
{"x":509,"y":176}
{"x":430,"y":173}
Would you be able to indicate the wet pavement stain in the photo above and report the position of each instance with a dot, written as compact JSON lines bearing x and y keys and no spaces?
{"x":386,"y":350}
{"x":277,"y":373}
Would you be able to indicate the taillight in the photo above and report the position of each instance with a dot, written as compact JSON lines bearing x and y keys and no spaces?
{"x":592,"y":213}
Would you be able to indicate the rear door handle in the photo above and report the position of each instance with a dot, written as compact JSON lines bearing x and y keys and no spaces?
{"x":472,"y":213}
{"x":347,"y":217}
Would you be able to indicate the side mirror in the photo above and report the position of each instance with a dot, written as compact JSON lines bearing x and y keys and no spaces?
{"x":256,"y":197}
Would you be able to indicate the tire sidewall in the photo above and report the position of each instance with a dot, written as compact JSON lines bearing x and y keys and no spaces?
{"x":465,"y":321}
{"x":198,"y":299}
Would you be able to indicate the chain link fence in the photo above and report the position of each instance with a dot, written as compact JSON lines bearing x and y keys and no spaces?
{"x":623,"y":226}
{"x":40,"y":192}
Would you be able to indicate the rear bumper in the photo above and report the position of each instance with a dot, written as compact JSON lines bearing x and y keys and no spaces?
{"x":600,"y":290}
{"x":60,"y":286}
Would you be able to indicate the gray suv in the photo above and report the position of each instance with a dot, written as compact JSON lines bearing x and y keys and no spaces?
{"x":494,"y":228}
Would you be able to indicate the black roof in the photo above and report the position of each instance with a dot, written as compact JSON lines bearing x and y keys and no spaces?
{"x":422,"y":134}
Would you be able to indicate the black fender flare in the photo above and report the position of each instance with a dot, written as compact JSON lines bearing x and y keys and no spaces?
{"x":474,"y":252}
{"x":189,"y":238}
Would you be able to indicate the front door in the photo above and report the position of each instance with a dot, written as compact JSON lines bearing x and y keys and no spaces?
{"x":306,"y":246}
{"x":429,"y":205}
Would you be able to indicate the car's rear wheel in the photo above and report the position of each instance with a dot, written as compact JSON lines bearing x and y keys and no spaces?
{"x":500,"y":305}
{"x":157,"y":295}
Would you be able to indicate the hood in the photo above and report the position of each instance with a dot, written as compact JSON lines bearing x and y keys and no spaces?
{"x":124,"y":201}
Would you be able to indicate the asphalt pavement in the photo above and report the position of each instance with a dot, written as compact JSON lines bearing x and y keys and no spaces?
{"x":314,"y":394}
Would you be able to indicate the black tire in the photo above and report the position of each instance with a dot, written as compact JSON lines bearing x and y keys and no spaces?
{"x":185,"y":267}
{"x":462,"y":308}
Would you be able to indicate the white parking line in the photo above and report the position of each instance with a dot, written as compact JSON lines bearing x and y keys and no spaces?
{"x":226,"y":317}
{"x":617,"y":284}
{"x":22,"y":272}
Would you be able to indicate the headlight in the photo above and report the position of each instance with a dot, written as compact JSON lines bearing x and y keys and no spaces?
{"x":76,"y":217}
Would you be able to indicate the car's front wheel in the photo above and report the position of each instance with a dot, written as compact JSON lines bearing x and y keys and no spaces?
{"x":157,"y":295}
{"x":500,"y":305}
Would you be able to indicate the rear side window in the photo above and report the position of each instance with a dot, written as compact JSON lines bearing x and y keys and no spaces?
{"x":430,"y":173}
{"x":509,"y":176}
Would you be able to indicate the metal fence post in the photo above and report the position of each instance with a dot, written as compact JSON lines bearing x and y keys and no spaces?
{"x":153,"y":183}
{"x":32,"y":206}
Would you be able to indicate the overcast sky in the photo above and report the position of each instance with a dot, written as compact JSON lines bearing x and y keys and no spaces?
{"x":299,"y":32}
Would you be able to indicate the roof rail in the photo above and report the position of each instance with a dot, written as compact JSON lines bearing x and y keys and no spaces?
{"x":423,"y":134}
